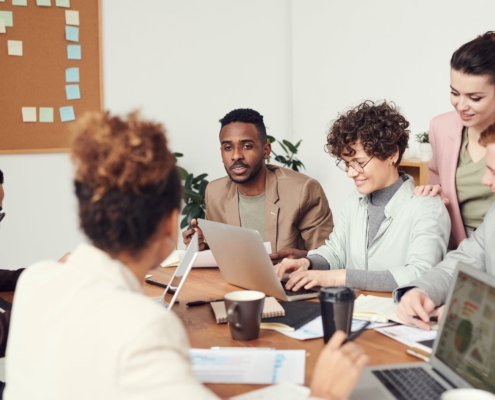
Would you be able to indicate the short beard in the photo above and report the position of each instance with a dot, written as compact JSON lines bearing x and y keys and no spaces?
{"x":254,"y":173}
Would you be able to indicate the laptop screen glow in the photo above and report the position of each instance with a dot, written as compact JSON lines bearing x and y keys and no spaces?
{"x":467,"y":342}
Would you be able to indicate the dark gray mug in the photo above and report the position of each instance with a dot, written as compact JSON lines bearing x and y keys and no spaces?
{"x":244,"y":309}
{"x":337,"y":306}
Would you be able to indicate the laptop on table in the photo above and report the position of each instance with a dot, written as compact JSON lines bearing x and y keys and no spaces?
{"x":463,"y":355}
{"x":243,"y":260}
{"x":181,"y":272}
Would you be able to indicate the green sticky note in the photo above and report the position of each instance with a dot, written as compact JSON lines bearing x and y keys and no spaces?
{"x":46,"y":114}
{"x":62,"y":3}
{"x":7,"y":17}
{"x":19,"y":2}
{"x":44,"y":3}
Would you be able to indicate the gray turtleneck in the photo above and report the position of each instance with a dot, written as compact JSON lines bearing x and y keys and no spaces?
{"x":382,"y":281}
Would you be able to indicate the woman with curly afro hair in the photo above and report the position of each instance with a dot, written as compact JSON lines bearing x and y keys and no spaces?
{"x":386,"y":236}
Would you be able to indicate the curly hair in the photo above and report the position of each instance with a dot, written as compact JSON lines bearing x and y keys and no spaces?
{"x":476,"y":57}
{"x":125,"y":179}
{"x":380,"y":128}
{"x":247,"y":116}
{"x":488,"y":135}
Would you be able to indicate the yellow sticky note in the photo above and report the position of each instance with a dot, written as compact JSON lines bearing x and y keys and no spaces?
{"x":28,"y":114}
{"x":2,"y":26}
{"x":14,"y":47}
{"x":71,"y":17}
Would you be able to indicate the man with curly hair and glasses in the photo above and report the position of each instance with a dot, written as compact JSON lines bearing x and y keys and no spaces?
{"x":386,"y":236}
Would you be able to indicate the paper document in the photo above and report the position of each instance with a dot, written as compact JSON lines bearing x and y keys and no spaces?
{"x":286,"y":391}
{"x":205,"y":258}
{"x":408,"y":335}
{"x":252,"y":366}
{"x":314,"y":329}
{"x":384,"y":308}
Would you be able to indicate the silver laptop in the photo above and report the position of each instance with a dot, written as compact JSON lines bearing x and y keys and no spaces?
{"x":463,"y":355}
{"x":243,"y":260}
{"x":181,"y":272}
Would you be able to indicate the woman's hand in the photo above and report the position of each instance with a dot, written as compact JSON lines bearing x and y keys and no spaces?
{"x":288,"y":264}
{"x":338,"y":369}
{"x":309,"y":279}
{"x":432,"y":190}
{"x":416,"y":303}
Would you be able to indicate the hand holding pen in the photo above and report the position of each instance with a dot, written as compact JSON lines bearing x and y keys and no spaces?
{"x":189,"y":232}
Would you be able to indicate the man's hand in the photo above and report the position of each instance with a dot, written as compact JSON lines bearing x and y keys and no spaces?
{"x":188,"y":234}
{"x":432,"y":190}
{"x":287,"y":252}
{"x":287,"y":264}
{"x":416,"y":303}
{"x":309,"y":279}
{"x":337,"y":369}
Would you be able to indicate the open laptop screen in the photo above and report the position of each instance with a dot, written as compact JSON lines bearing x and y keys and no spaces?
{"x":467,"y":341}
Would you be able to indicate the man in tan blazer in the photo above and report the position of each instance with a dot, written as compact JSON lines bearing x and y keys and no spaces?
{"x":288,"y":209}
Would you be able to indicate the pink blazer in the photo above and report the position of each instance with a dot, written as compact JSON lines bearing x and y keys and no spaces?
{"x":445,"y":140}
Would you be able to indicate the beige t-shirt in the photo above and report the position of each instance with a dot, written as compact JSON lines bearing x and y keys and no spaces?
{"x":474,"y":198}
{"x":252,"y":213}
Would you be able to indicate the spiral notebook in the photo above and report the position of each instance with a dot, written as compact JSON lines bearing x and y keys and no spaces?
{"x":271,"y":309}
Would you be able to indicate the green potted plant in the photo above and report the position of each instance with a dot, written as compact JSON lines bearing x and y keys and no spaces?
{"x":424,"y":146}
{"x":194,"y":195}
{"x":288,"y":160}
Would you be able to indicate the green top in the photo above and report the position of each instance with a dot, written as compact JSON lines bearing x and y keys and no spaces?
{"x":252,"y":213}
{"x":474,"y":198}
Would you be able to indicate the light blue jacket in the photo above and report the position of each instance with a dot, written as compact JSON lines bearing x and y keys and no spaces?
{"x":411,"y":240}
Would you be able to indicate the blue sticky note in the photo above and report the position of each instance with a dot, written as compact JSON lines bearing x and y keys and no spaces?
{"x":19,"y":2}
{"x":72,"y":34}
{"x":67,"y":114}
{"x":7,"y":17}
{"x":74,"y":51}
{"x":72,"y":75}
{"x":72,"y":92}
{"x":62,"y":3}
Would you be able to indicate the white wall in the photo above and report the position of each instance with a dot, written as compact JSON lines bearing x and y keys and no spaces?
{"x":299,"y":63}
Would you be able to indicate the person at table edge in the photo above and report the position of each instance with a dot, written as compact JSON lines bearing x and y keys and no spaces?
{"x":288,"y":209}
{"x":386,"y":236}
{"x":421,"y":296}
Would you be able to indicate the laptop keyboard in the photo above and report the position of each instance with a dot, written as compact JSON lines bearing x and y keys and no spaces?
{"x":410,"y":383}
{"x":300,"y":291}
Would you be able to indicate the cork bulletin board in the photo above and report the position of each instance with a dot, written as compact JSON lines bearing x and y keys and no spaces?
{"x":50,"y":71}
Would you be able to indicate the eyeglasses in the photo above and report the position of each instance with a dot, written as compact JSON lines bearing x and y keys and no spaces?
{"x":2,"y":215}
{"x":356,"y":165}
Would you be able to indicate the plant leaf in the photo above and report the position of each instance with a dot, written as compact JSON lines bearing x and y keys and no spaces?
{"x":290,"y":146}
{"x":202,"y":188}
{"x":281,"y":159}
{"x":283,"y":147}
{"x":199,"y":178}
{"x":192,"y":195}
{"x":298,"y":143}
{"x":184,"y":223}
{"x":270,"y":139}
{"x":188,"y":183}
{"x":183,"y":173}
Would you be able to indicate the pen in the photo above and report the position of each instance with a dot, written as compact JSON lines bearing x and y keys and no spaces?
{"x":432,"y":318}
{"x":354,"y":335}
{"x":170,"y":289}
{"x":201,"y":302}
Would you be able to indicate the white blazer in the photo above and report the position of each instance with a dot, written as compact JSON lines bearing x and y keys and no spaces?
{"x":84,"y":330}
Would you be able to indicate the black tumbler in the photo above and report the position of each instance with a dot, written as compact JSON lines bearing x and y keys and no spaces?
{"x":337,"y":305}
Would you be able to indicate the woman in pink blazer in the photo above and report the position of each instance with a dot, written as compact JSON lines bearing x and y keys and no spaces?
{"x":472,"y":84}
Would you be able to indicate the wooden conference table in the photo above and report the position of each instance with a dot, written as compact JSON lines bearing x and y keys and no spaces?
{"x":204,"y":332}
